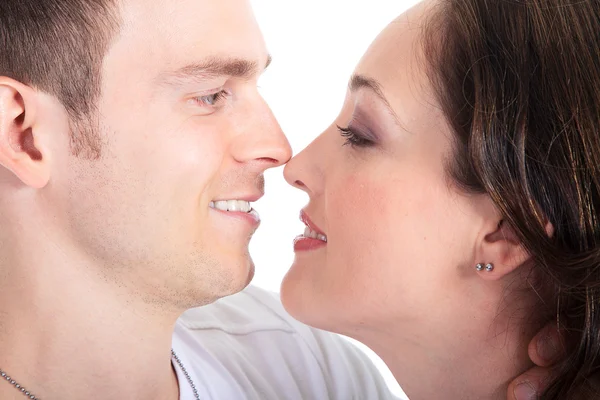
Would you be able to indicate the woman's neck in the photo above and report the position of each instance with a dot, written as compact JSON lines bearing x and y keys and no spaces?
{"x":473,"y":359}
{"x":452,"y":374}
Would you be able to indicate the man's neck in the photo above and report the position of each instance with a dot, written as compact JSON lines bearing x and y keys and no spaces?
{"x":67,"y":334}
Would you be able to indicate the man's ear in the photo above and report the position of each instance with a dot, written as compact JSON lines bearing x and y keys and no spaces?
{"x":502,"y":248}
{"x":20,"y":149}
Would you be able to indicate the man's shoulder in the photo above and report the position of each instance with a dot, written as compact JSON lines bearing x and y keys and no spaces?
{"x":252,"y":336}
{"x":259,"y":316}
{"x":251,"y":310}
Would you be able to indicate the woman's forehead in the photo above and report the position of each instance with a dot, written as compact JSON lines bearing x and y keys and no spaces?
{"x":396,"y":63}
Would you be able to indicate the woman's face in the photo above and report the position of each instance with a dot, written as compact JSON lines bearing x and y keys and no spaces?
{"x":400,"y":237}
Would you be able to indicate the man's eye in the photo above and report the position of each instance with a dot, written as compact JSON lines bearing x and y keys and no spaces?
{"x":211,"y":100}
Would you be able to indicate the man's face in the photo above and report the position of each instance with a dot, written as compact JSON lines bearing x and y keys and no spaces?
{"x":183,"y":126}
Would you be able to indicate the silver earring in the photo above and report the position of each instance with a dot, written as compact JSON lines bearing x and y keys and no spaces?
{"x":479,"y":267}
{"x":489,"y":267}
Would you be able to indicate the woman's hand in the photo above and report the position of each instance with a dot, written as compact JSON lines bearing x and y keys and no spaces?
{"x":545,"y":350}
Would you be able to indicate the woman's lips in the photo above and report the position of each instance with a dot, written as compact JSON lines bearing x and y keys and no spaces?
{"x":302,"y":243}
{"x":308,"y":222}
{"x":313,"y":237}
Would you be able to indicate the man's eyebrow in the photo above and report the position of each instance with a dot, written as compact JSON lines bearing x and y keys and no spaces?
{"x":214,"y":67}
{"x":358,"y":82}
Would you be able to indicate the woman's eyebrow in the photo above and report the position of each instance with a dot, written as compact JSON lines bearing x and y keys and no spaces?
{"x":358,"y":82}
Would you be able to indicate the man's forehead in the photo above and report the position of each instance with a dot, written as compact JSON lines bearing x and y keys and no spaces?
{"x":179,"y":34}
{"x":198,"y":14}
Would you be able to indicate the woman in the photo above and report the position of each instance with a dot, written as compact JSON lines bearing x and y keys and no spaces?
{"x":461,"y":189}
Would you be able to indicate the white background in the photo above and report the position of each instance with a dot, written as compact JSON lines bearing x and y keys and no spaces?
{"x":315,"y":46}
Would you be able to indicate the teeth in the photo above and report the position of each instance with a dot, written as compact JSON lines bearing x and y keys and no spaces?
{"x":231,"y":205}
{"x":309,"y":233}
{"x":255,"y":214}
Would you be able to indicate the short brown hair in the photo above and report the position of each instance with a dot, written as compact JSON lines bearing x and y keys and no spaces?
{"x":57,"y":46}
{"x":519,"y":82}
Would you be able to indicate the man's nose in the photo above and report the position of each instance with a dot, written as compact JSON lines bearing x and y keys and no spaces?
{"x":261,"y":138}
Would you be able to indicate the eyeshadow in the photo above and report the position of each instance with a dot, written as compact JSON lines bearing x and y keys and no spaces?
{"x":364,"y":123}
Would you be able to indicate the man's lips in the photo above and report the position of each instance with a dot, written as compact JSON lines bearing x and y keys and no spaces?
{"x":252,"y":197}
{"x":240,"y":209}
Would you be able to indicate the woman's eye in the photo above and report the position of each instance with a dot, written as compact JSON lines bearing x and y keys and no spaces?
{"x":353,"y":138}
{"x":211,"y":100}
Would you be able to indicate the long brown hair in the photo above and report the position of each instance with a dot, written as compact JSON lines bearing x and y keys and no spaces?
{"x":519,"y":82}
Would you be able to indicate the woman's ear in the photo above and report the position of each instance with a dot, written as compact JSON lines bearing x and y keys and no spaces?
{"x":20,"y":150}
{"x":502,"y":248}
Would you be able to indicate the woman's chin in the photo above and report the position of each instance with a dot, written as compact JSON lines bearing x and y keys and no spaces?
{"x":303,"y":301}
{"x":300,"y":300}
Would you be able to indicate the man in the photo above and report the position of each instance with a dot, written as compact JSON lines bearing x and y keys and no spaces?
{"x":133,"y":140}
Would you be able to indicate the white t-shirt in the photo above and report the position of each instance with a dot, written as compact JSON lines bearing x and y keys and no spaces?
{"x":247,"y":347}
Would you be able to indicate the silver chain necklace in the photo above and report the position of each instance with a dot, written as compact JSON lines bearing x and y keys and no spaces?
{"x":17,"y":386}
{"x":32,"y":397}
{"x":187,"y":376}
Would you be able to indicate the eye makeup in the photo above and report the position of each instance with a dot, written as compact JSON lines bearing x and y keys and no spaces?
{"x":365,"y":124}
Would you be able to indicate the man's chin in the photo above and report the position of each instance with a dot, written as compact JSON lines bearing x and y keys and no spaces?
{"x":245,"y":279}
{"x":251,"y":270}
{"x":240,"y":278}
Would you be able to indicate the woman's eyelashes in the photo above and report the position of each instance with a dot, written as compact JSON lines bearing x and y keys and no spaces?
{"x":354,"y":137}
